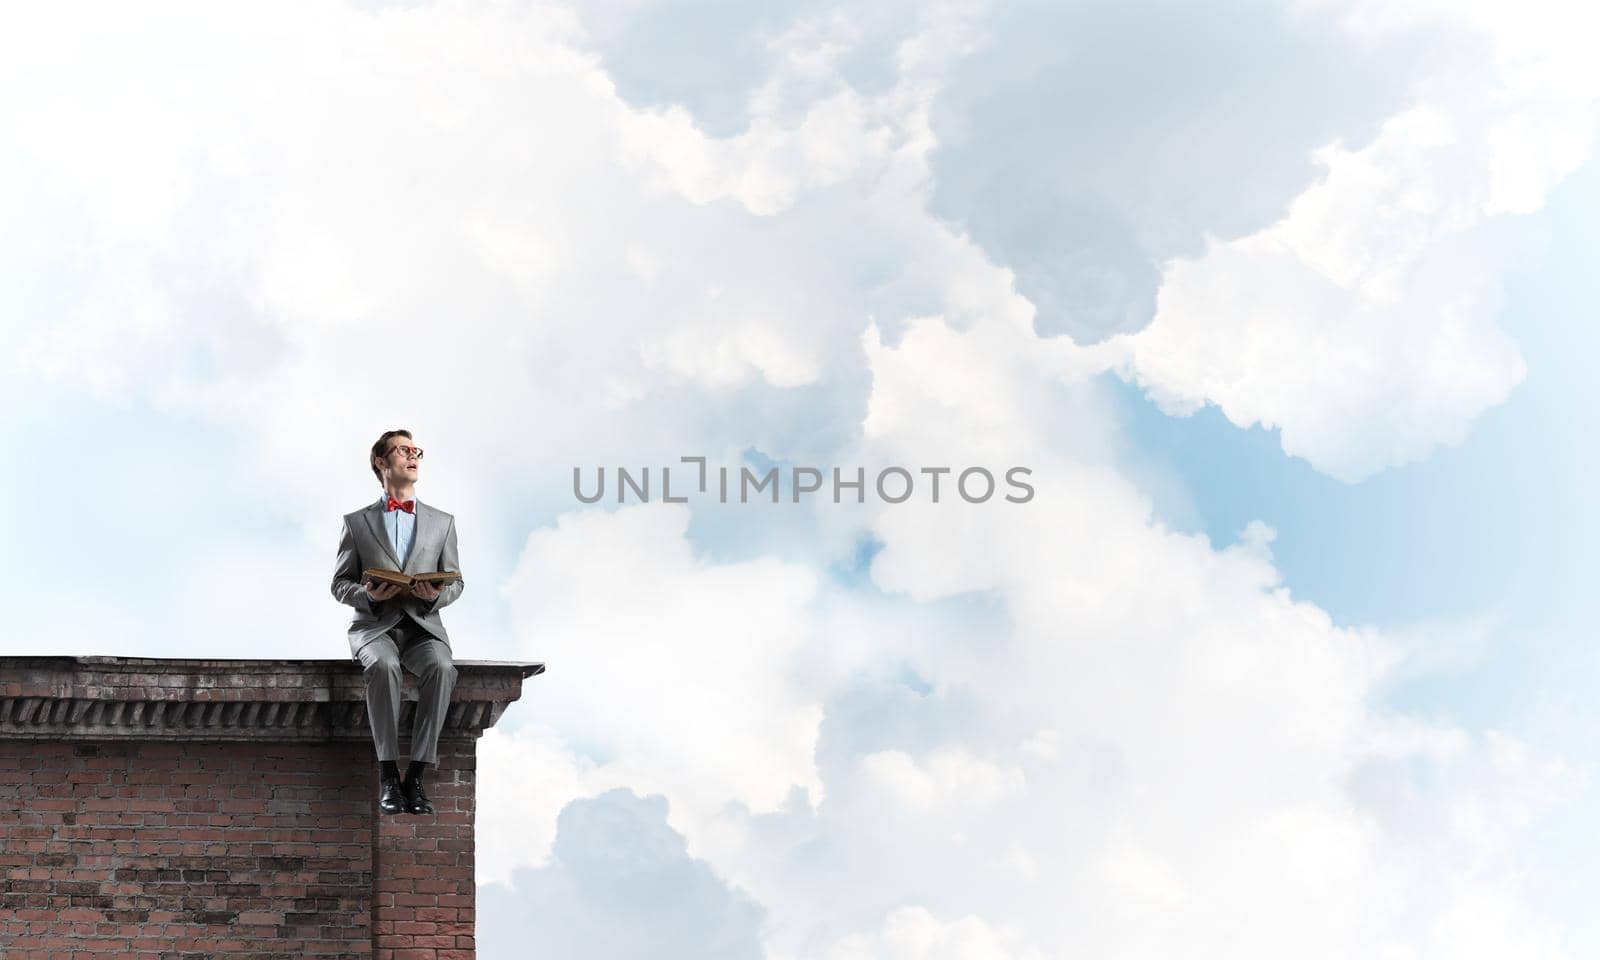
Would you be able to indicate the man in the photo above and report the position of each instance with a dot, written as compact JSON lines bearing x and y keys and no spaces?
{"x":388,"y":631}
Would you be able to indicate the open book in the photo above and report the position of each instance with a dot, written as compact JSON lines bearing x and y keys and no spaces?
{"x":439,"y":579}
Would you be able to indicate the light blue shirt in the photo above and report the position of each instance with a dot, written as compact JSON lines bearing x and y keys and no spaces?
{"x":402,"y":528}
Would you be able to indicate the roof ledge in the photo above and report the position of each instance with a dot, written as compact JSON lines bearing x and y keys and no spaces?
{"x":155,"y":698}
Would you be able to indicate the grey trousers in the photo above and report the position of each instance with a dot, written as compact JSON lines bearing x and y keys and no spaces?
{"x":428,"y":659}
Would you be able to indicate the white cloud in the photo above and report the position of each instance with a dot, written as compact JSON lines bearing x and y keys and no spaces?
{"x":679,"y":670}
{"x":1198,"y":766}
{"x":947,"y":776}
{"x":1085,"y":145}
{"x":914,"y":933}
{"x":525,"y":776}
{"x":620,"y":885}
{"x":1363,"y":324}
{"x":725,"y":351}
{"x":765,"y":167}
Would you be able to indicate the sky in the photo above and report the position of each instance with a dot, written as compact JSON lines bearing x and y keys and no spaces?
{"x":1287,"y":308}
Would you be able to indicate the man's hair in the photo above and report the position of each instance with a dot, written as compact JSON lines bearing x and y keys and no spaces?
{"x":381,"y":450}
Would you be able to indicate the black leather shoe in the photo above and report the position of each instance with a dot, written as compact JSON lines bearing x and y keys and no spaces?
{"x":391,"y":796}
{"x":416,"y":800}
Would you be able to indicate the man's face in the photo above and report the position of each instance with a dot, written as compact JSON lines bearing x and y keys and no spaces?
{"x":401,"y":462}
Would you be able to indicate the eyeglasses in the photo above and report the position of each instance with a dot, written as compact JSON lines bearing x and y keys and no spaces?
{"x":410,"y":453}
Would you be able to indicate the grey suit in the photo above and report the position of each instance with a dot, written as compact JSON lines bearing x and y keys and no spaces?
{"x":403,"y":632}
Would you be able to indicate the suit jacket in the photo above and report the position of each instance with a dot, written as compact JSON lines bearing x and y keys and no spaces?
{"x":363,"y":543}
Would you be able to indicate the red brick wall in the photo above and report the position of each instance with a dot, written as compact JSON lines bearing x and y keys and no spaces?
{"x":163,"y":850}
{"x":174,"y":809}
{"x":146,"y":849}
{"x":424,"y":891}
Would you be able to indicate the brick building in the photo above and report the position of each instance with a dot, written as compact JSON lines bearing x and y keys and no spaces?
{"x":169,"y":809}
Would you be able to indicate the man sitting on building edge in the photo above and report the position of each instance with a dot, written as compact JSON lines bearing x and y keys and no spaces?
{"x":396,"y":627}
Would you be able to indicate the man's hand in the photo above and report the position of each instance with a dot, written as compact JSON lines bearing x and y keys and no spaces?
{"x":381,"y":592}
{"x":423,"y":590}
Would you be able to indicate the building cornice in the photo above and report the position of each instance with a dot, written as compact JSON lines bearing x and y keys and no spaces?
{"x":97,"y":698}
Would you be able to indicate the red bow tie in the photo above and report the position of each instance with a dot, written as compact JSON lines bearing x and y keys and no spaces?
{"x":409,"y":506}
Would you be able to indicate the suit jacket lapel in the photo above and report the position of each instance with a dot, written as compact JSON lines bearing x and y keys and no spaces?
{"x":374,"y":515}
{"x":427,"y":525}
